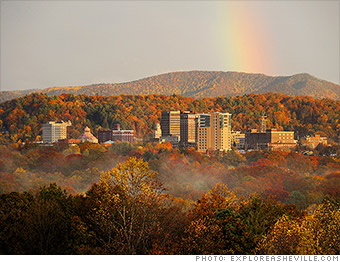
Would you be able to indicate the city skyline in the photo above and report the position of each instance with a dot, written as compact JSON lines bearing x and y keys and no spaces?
{"x":58,"y":43}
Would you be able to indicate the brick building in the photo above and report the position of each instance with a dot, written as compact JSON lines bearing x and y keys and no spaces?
{"x":115,"y":134}
{"x":272,"y":139}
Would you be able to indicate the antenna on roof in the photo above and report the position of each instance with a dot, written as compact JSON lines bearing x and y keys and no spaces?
{"x":263,"y":123}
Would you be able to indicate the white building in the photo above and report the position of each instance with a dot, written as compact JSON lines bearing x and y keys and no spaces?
{"x":158,"y":132}
{"x":238,"y":139}
{"x":52,"y":131}
{"x":174,"y":140}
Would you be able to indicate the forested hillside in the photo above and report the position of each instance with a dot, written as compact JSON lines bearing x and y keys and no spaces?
{"x":22,"y":118}
{"x":200,"y":84}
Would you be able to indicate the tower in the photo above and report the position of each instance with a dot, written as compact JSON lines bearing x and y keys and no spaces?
{"x":263,"y":123}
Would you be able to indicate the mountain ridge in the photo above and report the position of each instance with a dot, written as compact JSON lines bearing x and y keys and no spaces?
{"x":200,"y":84}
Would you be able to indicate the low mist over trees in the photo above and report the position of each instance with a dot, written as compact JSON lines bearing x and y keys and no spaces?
{"x":128,"y":211}
{"x":291,"y":178}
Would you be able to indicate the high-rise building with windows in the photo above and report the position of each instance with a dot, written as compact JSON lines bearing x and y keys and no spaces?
{"x":214,"y":132}
{"x":52,"y":131}
{"x":170,"y":123}
{"x":188,"y":128}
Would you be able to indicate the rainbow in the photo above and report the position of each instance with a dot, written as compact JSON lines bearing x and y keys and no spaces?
{"x":243,"y":40}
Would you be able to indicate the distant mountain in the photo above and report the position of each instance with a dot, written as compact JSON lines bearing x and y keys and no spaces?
{"x":200,"y":84}
{"x":9,"y":95}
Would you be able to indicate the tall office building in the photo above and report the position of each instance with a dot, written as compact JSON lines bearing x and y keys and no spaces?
{"x":214,"y":132}
{"x":52,"y":131}
{"x":188,"y":128}
{"x":170,"y":123}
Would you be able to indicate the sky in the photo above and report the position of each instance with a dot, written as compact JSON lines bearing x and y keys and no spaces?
{"x":70,"y":43}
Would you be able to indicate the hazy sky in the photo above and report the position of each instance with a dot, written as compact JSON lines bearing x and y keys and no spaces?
{"x":67,"y":43}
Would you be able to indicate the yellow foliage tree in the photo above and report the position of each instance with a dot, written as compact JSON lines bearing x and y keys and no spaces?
{"x":321,"y":231}
{"x":128,"y":202}
{"x":283,"y":239}
{"x":315,"y":234}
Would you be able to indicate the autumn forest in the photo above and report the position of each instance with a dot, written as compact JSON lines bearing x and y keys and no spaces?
{"x":151,"y":198}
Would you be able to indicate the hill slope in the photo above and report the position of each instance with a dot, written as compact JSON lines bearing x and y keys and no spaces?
{"x":200,"y":84}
